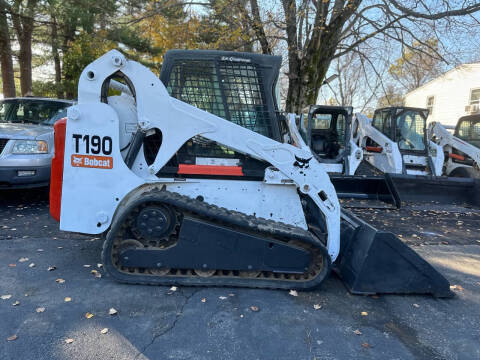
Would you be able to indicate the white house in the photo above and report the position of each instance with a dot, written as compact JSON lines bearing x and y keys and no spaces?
{"x":450,"y":96}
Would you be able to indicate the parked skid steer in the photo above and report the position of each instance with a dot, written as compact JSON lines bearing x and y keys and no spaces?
{"x":152,"y":174}
{"x":461,"y":149}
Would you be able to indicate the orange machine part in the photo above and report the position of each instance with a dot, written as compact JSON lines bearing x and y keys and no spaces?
{"x":56,"y":176}
{"x":456,"y":157}
{"x":210,"y":170}
{"x":377,"y":149}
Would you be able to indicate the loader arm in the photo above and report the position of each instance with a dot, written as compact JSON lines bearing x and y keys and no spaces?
{"x":386,"y":156}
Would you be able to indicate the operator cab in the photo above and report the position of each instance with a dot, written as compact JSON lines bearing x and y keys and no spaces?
{"x":404,"y":126}
{"x":238,"y":87}
{"x":468,"y":129}
{"x":327,"y":131}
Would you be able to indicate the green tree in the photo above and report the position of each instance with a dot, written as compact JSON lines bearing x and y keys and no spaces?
{"x":81,"y":52}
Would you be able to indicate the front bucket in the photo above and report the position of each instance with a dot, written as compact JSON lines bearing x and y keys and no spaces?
{"x":367,"y":189}
{"x":377,"y":262}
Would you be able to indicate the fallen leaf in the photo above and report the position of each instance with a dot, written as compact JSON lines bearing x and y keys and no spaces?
{"x":204,"y":300}
{"x":366,"y":345}
{"x":104,"y":331}
{"x":69,"y":341}
{"x":89,"y":315}
{"x":416,"y":305}
{"x":254,"y":308}
{"x":317,"y":306}
{"x":96,"y":273}
{"x":16,"y":303}
{"x":23,"y":259}
{"x":222,"y":297}
{"x":112,"y":311}
{"x":40,"y":309}
{"x":12,"y":338}
{"x":6,"y":297}
{"x":364,"y":313}
{"x":357,"y":332}
{"x":456,"y":287}
{"x":51,"y":268}
{"x":60,"y":281}
{"x":31,"y":265}
{"x":68,"y":299}
{"x":293,"y":292}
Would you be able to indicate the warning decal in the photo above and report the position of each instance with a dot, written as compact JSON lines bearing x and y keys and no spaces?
{"x":92,"y":161}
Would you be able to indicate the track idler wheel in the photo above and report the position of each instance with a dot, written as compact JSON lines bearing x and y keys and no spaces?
{"x":154,"y":223}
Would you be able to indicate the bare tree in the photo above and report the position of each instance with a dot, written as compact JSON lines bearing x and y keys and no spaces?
{"x":415,"y":67}
{"x":319,"y":31}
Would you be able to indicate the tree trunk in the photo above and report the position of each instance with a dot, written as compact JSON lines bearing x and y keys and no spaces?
{"x":258,"y":28}
{"x":25,"y":64}
{"x":56,"y":59}
{"x":23,"y":24}
{"x":69,"y":36}
{"x":6,"y":63}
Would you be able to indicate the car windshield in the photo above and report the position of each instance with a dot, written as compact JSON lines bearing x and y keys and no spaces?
{"x":469,"y":130}
{"x":32,"y":111}
{"x":411,"y":131}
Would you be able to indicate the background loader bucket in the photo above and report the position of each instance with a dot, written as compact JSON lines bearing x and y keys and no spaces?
{"x":373,"y":261}
{"x":366,"y":191}
{"x":443,"y":190}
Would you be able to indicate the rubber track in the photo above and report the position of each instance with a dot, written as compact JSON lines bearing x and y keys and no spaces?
{"x":221,"y":216}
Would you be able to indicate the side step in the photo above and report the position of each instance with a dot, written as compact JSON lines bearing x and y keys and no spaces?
{"x":377,"y":262}
{"x":378,"y":190}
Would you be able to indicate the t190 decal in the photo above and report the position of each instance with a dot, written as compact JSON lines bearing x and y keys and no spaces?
{"x":84,"y":145}
{"x":92,"y":144}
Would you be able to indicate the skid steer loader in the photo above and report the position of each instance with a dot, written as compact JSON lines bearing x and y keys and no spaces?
{"x":126,"y":166}
{"x":461,"y":149}
{"x":327,"y":131}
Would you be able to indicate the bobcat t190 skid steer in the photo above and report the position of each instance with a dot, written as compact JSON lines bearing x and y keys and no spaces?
{"x":209,"y":222}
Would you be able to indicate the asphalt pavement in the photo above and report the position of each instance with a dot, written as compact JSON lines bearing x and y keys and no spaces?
{"x":60,"y":314}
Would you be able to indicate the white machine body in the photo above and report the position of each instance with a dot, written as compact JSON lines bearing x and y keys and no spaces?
{"x":447,"y":143}
{"x":387,"y":157}
{"x":96,"y":179}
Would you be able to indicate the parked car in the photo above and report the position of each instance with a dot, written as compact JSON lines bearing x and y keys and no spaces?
{"x":26,"y":139}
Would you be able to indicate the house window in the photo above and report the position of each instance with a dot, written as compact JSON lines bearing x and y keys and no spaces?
{"x":474,"y":96}
{"x":430,"y":103}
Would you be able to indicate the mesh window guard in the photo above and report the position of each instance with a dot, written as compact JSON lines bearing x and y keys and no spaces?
{"x":229,"y":89}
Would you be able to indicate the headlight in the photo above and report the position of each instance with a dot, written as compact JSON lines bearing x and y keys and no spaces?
{"x":30,"y":147}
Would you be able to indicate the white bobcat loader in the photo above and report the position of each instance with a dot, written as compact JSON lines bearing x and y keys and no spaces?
{"x":135,"y":168}
{"x":395,"y":141}
{"x":461,"y":149}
